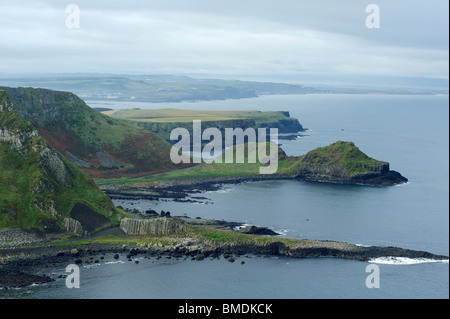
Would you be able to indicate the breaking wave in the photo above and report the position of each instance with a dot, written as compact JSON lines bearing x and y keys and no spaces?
{"x":405,"y":260}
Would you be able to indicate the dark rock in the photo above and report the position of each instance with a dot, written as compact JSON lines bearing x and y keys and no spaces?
{"x":165,"y":214}
{"x":256,"y":230}
{"x":50,"y":226}
{"x":16,"y":279}
{"x":88,"y":218}
{"x":151,"y":212}
{"x":11,"y":213}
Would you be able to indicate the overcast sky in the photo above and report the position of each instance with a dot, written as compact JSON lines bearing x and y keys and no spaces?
{"x":232,"y":38}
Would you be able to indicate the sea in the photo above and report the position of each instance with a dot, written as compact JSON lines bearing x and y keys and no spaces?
{"x":411,"y":132}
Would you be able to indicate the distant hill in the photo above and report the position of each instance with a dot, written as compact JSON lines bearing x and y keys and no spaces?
{"x":100,"y":145}
{"x":173,"y":88}
{"x":155,"y":88}
{"x":39,"y":188}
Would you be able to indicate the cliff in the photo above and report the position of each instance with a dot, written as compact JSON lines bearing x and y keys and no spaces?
{"x":98,"y":144}
{"x":38,"y":186}
{"x":163,"y":121}
{"x":155,"y":226}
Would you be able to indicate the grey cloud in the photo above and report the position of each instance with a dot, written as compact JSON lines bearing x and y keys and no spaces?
{"x":227,"y":37}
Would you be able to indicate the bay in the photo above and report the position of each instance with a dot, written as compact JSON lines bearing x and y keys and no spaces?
{"x":410,"y":132}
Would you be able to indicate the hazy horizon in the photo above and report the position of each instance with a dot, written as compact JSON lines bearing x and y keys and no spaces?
{"x":286,"y":41}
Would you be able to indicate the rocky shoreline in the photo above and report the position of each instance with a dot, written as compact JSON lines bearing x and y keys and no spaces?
{"x":177,"y":190}
{"x":181,"y":190}
{"x":27,"y":265}
{"x":23,"y":260}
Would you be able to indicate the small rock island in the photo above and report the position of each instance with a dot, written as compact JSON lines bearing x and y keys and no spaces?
{"x":343,"y":163}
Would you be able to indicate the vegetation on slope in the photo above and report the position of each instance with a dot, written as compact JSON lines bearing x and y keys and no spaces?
{"x":339,"y":162}
{"x":102,"y":146}
{"x":343,"y":155}
{"x":39,"y":186}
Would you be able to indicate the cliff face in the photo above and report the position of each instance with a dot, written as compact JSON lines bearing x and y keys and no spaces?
{"x":228,"y":119}
{"x":289,"y":125}
{"x":156,"y":226}
{"x":38,"y":186}
{"x":16,"y":138}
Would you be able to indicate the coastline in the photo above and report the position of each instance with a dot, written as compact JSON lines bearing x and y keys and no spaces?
{"x":179,"y":189}
{"x":21,"y":266}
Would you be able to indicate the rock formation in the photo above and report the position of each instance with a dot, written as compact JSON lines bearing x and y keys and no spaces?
{"x":157,"y":226}
{"x":343,"y":163}
{"x":38,"y":186}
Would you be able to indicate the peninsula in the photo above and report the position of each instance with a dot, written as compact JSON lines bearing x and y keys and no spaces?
{"x":163,"y":121}
{"x":339,"y":163}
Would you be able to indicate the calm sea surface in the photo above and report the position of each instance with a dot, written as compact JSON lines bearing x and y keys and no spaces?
{"x":410,"y":132}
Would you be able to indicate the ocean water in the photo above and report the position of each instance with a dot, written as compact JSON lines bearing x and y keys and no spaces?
{"x":410,"y":132}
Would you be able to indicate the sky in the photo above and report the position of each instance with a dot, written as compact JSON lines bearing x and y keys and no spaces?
{"x":248,"y":39}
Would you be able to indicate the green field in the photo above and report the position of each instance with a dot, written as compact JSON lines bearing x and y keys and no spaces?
{"x":178,"y":115}
{"x":163,"y":121}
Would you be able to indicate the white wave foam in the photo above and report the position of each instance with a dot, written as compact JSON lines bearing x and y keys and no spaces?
{"x":105,"y":263}
{"x":282,"y":232}
{"x":223,"y":190}
{"x":405,"y":261}
{"x":242,"y":226}
{"x":403,"y":184}
{"x":114,"y":262}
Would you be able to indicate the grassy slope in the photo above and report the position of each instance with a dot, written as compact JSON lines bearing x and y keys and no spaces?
{"x":344,"y":154}
{"x":210,"y":170}
{"x":70,"y":125}
{"x":21,"y":172}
